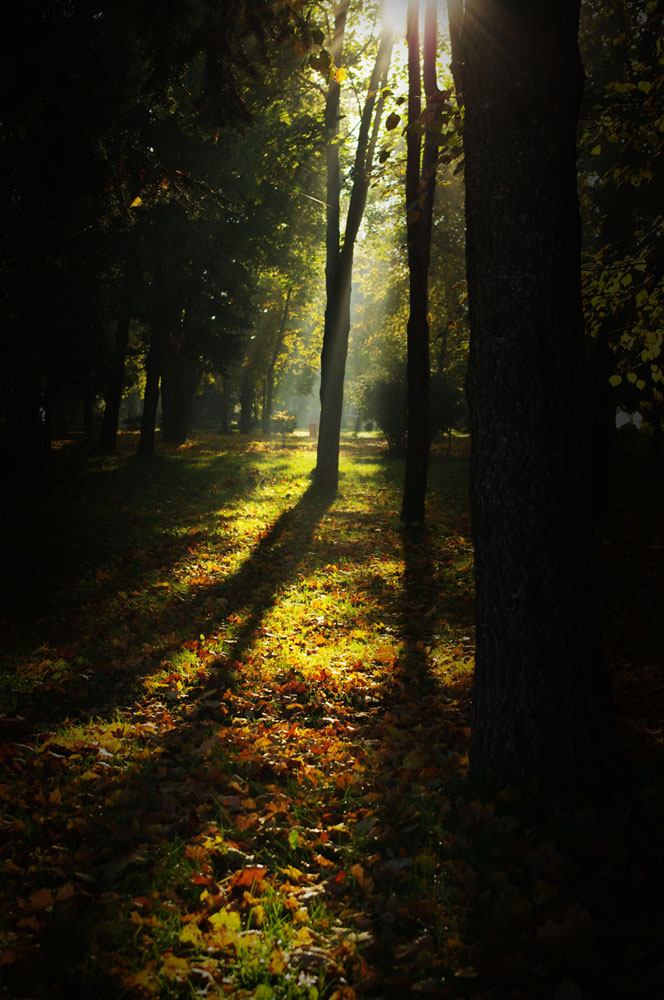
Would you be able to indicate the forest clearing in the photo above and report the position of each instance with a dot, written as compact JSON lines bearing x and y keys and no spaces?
{"x":235,"y":741}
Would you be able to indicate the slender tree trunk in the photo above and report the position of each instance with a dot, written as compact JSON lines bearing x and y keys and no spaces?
{"x":225,"y":404}
{"x":339,"y":258}
{"x":246,"y":402}
{"x":420,"y":190}
{"x":541,"y":704}
{"x":160,"y":333}
{"x":115,"y":386}
{"x":274,"y":357}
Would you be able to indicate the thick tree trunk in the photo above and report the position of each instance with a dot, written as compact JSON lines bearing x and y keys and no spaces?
{"x":115,"y":386}
{"x":339,"y":258}
{"x":180,"y":380}
{"x":420,"y":190}
{"x":541,"y":706}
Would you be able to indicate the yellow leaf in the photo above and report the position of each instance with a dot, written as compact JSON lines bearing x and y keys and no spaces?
{"x":136,"y":202}
{"x":303,"y":936}
{"x":228,"y":919}
{"x":340,"y":75}
{"x":385,"y":654}
{"x":257,"y":915}
{"x":174,"y":967}
{"x":191,"y":934}
{"x":221,"y":939}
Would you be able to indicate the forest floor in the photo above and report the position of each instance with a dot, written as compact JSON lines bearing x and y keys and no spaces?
{"x":235,"y":733}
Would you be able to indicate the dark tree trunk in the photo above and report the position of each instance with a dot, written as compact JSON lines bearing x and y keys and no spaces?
{"x":153,"y":368}
{"x":541,"y":705}
{"x":420,"y":190}
{"x":164,"y":318}
{"x":246,"y":402}
{"x":179,"y":381}
{"x":225,"y":405}
{"x":88,"y":403}
{"x":115,"y":386}
{"x":339,"y":258}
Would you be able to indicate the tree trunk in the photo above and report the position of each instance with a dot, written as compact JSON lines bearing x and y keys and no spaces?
{"x":420,"y":190}
{"x":163,"y":317}
{"x":339,"y":258}
{"x":179,"y":382}
{"x":268,"y":388}
{"x":115,"y":386}
{"x":541,"y":706}
{"x":246,"y":402}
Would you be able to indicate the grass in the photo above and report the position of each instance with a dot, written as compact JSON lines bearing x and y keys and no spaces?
{"x":236,"y":724}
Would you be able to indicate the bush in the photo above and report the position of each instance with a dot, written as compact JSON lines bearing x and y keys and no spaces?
{"x":384,"y":399}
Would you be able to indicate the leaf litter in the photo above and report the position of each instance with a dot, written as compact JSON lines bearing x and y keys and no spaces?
{"x":236,"y":765}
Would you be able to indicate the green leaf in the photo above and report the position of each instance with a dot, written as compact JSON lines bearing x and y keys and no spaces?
{"x":596,"y":150}
{"x":615,"y":380}
{"x":392,"y":120}
{"x":645,"y":86}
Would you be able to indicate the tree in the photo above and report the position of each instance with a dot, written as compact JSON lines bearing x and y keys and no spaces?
{"x":541,"y":704}
{"x":339,"y":253}
{"x":420,"y":190}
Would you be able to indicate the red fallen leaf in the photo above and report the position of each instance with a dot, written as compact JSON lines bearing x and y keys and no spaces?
{"x":8,"y":956}
{"x":199,"y":879}
{"x":249,"y":875}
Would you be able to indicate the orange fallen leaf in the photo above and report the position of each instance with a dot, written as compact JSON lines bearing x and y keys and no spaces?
{"x":278,"y":962}
{"x":40,"y":900}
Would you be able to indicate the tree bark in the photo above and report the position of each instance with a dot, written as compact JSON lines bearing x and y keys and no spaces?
{"x":115,"y":386}
{"x":541,"y":705}
{"x":420,"y":191}
{"x":339,"y":258}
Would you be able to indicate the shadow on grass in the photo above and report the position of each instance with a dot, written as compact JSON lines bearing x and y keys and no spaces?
{"x":143,"y":518}
{"x":171,"y":792}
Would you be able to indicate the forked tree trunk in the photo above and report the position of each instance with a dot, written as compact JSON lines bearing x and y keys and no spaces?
{"x":339,"y":256}
{"x":420,"y":191}
{"x":541,"y":705}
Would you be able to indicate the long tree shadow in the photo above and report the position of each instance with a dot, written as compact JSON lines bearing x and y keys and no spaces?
{"x":171,"y":791}
{"x":111,"y":681}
